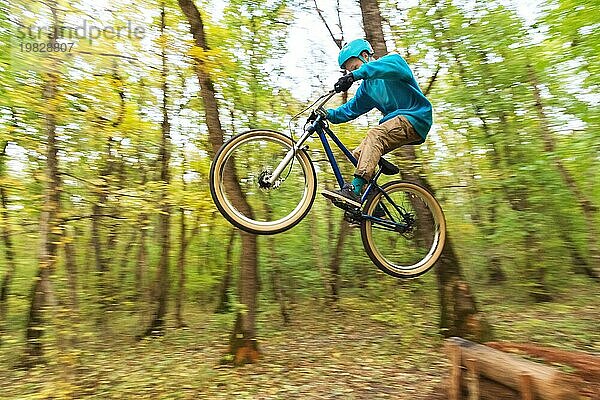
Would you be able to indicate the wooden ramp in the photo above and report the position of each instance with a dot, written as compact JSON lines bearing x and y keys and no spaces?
{"x":482,"y":372}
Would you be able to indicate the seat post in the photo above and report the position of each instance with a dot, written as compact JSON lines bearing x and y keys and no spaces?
{"x":377,"y":174}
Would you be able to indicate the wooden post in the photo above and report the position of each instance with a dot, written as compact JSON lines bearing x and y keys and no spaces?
{"x":472,"y":378}
{"x":454,"y":389}
{"x":526,"y":386}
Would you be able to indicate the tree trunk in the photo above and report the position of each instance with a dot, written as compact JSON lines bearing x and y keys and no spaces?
{"x":124,"y":263}
{"x":317,"y":252}
{"x":275,"y":273}
{"x":50,"y":231}
{"x":278,"y":289}
{"x":71,"y":267}
{"x":181,"y":271}
{"x":8,"y":245}
{"x":276,"y":283}
{"x":100,"y":261}
{"x":113,"y":183}
{"x":592,"y":268}
{"x":141,"y":264}
{"x":161,"y":288}
{"x":142,"y":254}
{"x":101,"y":252}
{"x":532,"y":267}
{"x":580,"y":263}
{"x":336,"y":260}
{"x":243,"y":344}
{"x":87,"y":259}
{"x":459,"y":314}
{"x":496,"y":274}
{"x":371,"y":18}
{"x":224,"y":306}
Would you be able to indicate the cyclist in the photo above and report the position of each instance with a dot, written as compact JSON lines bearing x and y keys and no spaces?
{"x":388,"y":85}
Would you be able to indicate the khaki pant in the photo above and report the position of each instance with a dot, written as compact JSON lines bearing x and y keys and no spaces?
{"x":381,"y":140}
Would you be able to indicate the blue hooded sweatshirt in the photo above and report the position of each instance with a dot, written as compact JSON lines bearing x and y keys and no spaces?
{"x":388,"y":85}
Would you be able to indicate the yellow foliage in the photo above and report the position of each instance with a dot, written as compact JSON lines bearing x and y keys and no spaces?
{"x":215,"y":62}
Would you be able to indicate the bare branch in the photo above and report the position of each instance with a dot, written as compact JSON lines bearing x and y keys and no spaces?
{"x":432,"y":80}
{"x":339,"y":15}
{"x":80,"y":217}
{"x":338,"y":42}
{"x":106,"y":55}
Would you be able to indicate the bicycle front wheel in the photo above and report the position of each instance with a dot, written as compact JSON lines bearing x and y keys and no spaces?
{"x":237,"y":182}
{"x":409,"y":238}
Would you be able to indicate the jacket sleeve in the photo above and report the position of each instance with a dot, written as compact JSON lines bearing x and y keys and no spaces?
{"x":391,"y":66}
{"x":360,"y":104}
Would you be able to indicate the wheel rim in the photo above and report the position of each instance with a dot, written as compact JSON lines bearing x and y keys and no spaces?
{"x":251,"y":158}
{"x":415,"y":251}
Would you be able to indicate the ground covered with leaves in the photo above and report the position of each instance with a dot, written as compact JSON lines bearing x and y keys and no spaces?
{"x":362,"y":349}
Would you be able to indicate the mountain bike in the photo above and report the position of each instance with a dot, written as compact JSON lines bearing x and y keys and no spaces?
{"x":264,"y":182}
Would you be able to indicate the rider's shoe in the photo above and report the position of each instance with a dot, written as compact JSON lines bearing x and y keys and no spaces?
{"x":344,"y":197}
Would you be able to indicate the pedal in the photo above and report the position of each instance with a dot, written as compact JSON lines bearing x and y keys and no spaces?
{"x":352,"y":217}
{"x":339,"y":201}
{"x":345,"y":206}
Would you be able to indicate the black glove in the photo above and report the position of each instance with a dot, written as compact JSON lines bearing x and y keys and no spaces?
{"x":344,"y":83}
{"x":315,"y":113}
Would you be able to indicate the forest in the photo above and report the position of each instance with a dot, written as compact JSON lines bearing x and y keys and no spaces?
{"x":120,"y":278}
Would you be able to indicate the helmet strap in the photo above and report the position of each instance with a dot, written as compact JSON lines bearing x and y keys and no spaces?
{"x":361,"y":58}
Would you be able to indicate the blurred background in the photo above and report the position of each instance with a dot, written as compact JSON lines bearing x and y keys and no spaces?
{"x":119,"y":277}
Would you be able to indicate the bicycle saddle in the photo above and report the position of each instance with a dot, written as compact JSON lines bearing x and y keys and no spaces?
{"x":387,"y":168}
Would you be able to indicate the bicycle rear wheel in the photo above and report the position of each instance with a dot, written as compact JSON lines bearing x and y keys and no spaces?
{"x":411,"y":236}
{"x":237,"y":183}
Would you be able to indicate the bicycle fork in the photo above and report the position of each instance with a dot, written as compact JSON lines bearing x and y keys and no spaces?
{"x":296,"y":146}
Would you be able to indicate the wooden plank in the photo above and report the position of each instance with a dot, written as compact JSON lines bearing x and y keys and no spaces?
{"x":526,"y":387}
{"x":587,"y":365}
{"x":472,"y":379}
{"x":548,"y":383}
{"x":454,"y":388}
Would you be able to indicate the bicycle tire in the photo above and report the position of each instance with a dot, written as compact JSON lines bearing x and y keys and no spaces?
{"x":437,"y":236}
{"x":235,"y":211}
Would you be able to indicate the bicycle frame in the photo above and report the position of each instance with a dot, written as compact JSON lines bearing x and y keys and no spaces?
{"x":323,"y":131}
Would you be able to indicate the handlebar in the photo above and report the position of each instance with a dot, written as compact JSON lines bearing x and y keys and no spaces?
{"x":319,"y":104}
{"x":326,"y":98}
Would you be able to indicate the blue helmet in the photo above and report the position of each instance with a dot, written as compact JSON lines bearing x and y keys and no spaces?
{"x":353,"y":49}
